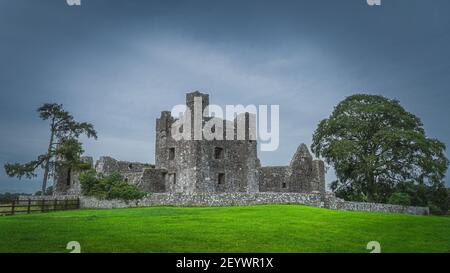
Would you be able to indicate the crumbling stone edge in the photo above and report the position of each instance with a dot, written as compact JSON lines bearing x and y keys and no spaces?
{"x":327,"y":200}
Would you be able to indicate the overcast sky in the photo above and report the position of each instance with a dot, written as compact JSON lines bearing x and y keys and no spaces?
{"x":118,"y":63}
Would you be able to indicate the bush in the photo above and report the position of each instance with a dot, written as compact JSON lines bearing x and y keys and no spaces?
{"x":436,"y":197}
{"x":400,"y":198}
{"x":88,"y":180}
{"x":108,"y":186}
{"x":439,"y":201}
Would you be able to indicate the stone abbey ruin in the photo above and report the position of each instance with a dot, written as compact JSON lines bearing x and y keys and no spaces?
{"x":217,"y":172}
{"x":206,"y":166}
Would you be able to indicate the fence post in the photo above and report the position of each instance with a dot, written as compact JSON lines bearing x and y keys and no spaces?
{"x":78,"y":203}
{"x":13,"y":206}
{"x":29,"y":206}
{"x":55,"y":203}
{"x":65,"y":204}
{"x":43,"y":205}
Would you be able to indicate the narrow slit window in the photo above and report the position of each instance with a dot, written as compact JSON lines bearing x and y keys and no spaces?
{"x":69,"y":173}
{"x":171,"y":153}
{"x":221,"y":179}
{"x":218,"y":153}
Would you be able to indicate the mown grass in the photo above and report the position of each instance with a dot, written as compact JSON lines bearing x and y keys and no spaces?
{"x":271,"y":228}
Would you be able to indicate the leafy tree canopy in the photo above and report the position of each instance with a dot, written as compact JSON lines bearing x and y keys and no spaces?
{"x":375,"y":146}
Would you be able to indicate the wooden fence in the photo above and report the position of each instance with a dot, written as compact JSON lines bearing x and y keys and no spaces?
{"x":30,"y":206}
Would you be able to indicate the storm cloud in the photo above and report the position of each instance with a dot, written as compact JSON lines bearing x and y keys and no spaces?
{"x":118,"y":63}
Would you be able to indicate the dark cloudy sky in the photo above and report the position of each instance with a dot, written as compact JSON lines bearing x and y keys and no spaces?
{"x":118,"y":63}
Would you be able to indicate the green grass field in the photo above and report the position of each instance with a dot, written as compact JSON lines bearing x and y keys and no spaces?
{"x":271,"y":228}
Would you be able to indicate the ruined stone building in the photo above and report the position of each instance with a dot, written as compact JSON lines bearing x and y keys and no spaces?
{"x":206,"y":166}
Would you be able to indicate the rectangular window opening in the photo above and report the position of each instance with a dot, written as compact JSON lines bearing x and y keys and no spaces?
{"x":69,"y":174}
{"x":171,"y":153}
{"x":218,"y":153}
{"x":221,"y":179}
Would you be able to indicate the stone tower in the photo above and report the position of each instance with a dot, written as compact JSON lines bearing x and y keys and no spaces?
{"x":204,"y":165}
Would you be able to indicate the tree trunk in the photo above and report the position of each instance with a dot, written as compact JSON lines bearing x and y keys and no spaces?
{"x":44,"y":181}
{"x":47,"y":164}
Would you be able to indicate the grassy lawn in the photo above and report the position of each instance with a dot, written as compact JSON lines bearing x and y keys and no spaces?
{"x":271,"y":228}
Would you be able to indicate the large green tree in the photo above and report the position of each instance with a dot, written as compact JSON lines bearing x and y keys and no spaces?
{"x":63,"y":147}
{"x":375,"y":147}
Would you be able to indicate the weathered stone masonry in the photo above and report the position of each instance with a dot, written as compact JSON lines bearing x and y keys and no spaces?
{"x":244,"y":199}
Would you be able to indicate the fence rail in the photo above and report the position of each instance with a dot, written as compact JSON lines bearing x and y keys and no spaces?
{"x":30,"y":206}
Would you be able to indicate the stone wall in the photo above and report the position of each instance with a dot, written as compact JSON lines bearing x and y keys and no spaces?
{"x":303,"y":175}
{"x":339,"y":204}
{"x":206,"y":199}
{"x":245,"y":199}
{"x":153,"y":180}
{"x":274,"y":179}
{"x":318,"y":176}
{"x":107,"y":165}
